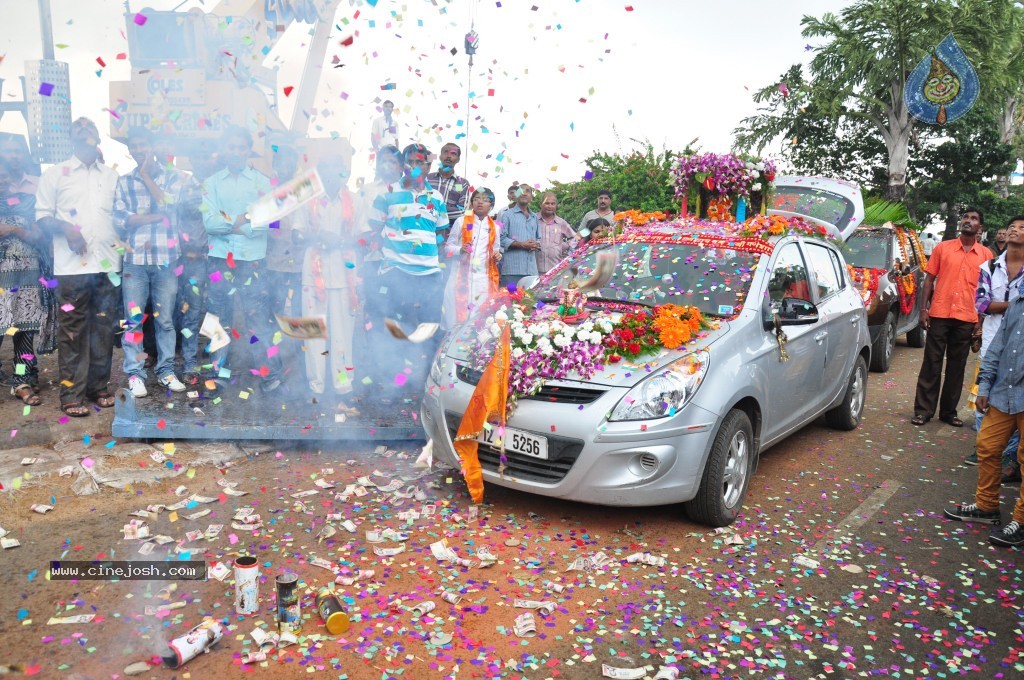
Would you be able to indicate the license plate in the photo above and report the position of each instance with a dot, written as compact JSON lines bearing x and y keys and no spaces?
{"x":517,"y":441}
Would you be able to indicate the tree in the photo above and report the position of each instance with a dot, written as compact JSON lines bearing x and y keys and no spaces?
{"x":870,"y":48}
{"x":813,"y":142}
{"x":638,"y":180}
{"x":954,"y":173}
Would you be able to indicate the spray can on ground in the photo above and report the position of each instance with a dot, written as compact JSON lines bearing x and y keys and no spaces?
{"x":247,"y":585}
{"x":331,"y":611}
{"x":288,"y":609}
{"x":193,"y":643}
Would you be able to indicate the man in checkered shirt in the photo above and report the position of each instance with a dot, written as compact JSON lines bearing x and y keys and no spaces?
{"x":146,"y":217}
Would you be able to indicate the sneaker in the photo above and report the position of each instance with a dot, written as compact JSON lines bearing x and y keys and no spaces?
{"x":969,"y":512}
{"x":271,"y":385}
{"x":971,"y":459}
{"x":137,"y":386}
{"x":171,"y":382}
{"x":1011,"y":474}
{"x":1012,"y":534}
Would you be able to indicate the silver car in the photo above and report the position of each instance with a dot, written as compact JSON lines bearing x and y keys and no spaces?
{"x":684,"y":425}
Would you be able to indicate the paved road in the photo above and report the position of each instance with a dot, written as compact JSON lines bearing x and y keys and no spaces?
{"x":841,"y":566}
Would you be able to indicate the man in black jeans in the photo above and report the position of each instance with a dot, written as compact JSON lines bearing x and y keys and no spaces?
{"x":74,"y":203}
{"x":949,"y":315}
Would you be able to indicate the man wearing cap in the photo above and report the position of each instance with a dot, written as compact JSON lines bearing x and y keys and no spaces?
{"x":146,"y":217}
{"x":238,"y":250}
{"x":74,"y":203}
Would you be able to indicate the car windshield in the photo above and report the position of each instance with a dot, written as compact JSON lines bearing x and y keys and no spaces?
{"x":869,"y":249}
{"x":813,"y":202}
{"x":715,"y":280}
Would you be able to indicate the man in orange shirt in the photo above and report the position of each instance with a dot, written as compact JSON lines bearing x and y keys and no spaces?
{"x":949,"y":315}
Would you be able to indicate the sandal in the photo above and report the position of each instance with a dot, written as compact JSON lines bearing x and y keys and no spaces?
{"x":104,"y":399}
{"x":953,"y":421}
{"x":919,"y":419}
{"x":26,"y":394}
{"x":74,"y":409}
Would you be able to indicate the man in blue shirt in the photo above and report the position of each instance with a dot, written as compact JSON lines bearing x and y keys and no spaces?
{"x":1001,"y":398}
{"x":236,"y":262}
{"x":520,"y":239}
{"x":410,"y":219}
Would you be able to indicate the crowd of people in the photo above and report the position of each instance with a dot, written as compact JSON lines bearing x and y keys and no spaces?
{"x":157,"y":258}
{"x":971,"y":301}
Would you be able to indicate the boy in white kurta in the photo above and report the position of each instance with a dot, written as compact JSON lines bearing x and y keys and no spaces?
{"x":328,"y":228}
{"x":474,"y":251}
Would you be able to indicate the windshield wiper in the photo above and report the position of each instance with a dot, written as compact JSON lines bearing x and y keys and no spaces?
{"x":591,"y":298}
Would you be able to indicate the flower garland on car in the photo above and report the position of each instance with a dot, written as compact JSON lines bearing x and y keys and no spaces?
{"x":766,"y":226}
{"x":637,"y":218}
{"x":543,"y":347}
{"x":865,"y":280}
{"x":906,"y":285}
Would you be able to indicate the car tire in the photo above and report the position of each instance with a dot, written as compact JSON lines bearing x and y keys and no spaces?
{"x":916,"y":338}
{"x":884,"y":345}
{"x":726,"y":474}
{"x":847,"y":415}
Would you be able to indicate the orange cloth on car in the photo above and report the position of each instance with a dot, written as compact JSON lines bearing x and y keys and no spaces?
{"x":487,"y":403}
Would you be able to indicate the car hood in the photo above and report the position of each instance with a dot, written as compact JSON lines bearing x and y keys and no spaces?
{"x":623,"y":374}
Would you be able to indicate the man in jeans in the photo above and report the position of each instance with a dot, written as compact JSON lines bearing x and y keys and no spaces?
{"x":146,"y":217}
{"x":194,"y":245}
{"x":236,"y":263}
{"x":74,"y":204}
{"x":1001,"y":399}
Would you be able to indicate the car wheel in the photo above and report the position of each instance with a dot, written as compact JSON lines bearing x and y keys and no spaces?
{"x":917,"y":337}
{"x":884,"y":346}
{"x":727,"y":473}
{"x":847,"y":415}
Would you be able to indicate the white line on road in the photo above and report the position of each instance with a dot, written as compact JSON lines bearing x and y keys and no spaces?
{"x":856,"y":519}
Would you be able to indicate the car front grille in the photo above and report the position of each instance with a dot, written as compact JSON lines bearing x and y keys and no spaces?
{"x":562,"y":394}
{"x":562,"y":455}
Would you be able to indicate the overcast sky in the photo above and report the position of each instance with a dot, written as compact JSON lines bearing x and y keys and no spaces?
{"x":667,"y":71}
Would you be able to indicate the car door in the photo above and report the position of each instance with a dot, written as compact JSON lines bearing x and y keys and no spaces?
{"x":909,"y":320}
{"x":837,"y":312}
{"x":794,"y":386}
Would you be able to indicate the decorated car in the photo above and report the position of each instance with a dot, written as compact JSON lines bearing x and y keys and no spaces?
{"x":887,"y":262}
{"x":655,"y":365}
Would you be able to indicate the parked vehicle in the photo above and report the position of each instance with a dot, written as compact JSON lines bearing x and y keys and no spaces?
{"x":887,"y":267}
{"x":834,"y":204}
{"x":684,"y":425}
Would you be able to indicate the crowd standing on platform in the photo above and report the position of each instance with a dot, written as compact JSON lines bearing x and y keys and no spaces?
{"x":158,"y":258}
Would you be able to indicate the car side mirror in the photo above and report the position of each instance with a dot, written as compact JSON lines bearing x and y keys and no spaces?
{"x":797,"y":312}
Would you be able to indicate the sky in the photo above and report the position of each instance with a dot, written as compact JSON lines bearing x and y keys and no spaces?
{"x":553,"y":80}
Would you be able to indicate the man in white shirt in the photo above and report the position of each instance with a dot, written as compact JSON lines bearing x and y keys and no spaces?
{"x":385,"y":128}
{"x":927,"y":243}
{"x":75,"y":204}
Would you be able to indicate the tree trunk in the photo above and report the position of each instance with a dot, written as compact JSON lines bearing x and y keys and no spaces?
{"x":1006,"y":122}
{"x":951,"y":218}
{"x":896,"y":131}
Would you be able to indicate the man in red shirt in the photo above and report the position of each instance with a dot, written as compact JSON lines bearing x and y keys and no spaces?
{"x":949,"y":315}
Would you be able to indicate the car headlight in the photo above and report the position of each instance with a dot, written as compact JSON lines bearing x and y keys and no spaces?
{"x":665,"y":392}
{"x":437,"y":367}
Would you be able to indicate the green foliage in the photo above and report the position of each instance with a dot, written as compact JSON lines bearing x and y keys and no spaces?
{"x":878,"y":213}
{"x":948,"y":176}
{"x":638,"y":180}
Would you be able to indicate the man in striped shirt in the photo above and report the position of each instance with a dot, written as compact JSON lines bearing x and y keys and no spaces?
{"x":411,"y":219}
{"x":146,"y":217}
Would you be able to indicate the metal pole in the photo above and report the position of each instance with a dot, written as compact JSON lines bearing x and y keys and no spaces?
{"x":46,"y":29}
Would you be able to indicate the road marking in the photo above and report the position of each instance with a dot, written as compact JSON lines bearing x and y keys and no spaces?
{"x":860,"y":515}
